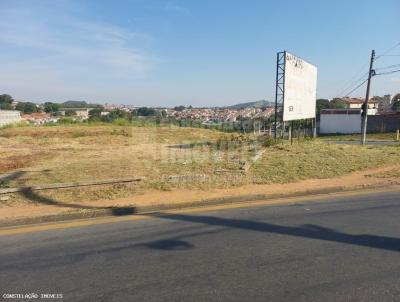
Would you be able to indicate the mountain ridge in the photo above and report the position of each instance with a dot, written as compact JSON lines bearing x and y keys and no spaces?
{"x":254,"y":104}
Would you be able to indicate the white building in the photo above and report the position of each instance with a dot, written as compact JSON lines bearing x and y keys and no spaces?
{"x":340,"y":121}
{"x":9,"y":117}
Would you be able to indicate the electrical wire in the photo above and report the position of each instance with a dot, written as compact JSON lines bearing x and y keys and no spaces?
{"x":358,"y":86}
{"x":351,"y":82}
{"x":387,"y":72}
{"x":387,"y":51}
{"x":387,"y":67}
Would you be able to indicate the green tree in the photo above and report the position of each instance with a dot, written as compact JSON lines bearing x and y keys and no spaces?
{"x":322,"y":104}
{"x":396,"y":106}
{"x":50,"y":107}
{"x":95,"y":113}
{"x":145,"y":111}
{"x":5,"y":101}
{"x":337,"y":103}
{"x":26,"y":107}
{"x":179,"y":108}
{"x":70,"y":112}
{"x":117,"y":114}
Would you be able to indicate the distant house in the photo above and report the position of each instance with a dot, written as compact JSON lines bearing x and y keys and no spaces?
{"x":39,"y":118}
{"x":14,"y":104}
{"x":82,"y":113}
{"x":9,"y":117}
{"x":357,"y":103}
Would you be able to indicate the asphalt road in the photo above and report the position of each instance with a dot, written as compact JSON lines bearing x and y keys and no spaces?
{"x":342,"y":250}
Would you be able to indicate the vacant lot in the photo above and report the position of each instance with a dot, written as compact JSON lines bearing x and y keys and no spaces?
{"x":77,"y":153}
{"x":169,"y":157}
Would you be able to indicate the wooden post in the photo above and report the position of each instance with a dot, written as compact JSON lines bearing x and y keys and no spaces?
{"x":314,"y":127}
{"x":397,"y":134}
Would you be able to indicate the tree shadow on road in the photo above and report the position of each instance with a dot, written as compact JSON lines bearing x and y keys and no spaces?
{"x":306,"y":231}
{"x":181,"y":242}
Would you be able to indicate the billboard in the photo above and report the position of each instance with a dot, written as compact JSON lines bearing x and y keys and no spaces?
{"x":300,"y":89}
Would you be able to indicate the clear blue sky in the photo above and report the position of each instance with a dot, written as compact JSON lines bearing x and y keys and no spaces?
{"x":187,"y":52}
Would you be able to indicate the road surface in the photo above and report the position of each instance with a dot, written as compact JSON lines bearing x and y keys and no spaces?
{"x":347,"y":249}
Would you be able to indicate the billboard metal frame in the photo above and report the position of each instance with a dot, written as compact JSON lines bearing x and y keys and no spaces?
{"x":280,"y":85}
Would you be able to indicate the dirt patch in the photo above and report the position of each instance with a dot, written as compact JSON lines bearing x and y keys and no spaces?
{"x":392,"y":173}
{"x":14,"y":162}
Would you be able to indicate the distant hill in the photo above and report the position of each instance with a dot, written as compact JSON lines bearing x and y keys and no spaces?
{"x":78,"y":104}
{"x":256,"y":104}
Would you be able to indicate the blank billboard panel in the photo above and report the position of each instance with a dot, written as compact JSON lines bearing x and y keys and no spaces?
{"x":300,"y":89}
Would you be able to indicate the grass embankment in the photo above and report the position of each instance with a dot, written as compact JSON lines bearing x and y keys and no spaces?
{"x":73,"y":153}
{"x":316,"y":159}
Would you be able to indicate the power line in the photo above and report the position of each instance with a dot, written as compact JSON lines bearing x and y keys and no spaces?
{"x":387,"y":67}
{"x":358,"y":86}
{"x":388,"y":72}
{"x":351,"y":81}
{"x":348,"y":87}
{"x":387,"y":51}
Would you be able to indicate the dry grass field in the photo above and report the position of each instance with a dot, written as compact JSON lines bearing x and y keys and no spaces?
{"x":74,"y":153}
{"x":169,"y":157}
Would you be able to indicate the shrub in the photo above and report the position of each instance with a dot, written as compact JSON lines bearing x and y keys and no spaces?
{"x":121,"y":122}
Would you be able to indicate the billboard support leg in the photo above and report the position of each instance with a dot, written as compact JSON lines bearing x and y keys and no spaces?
{"x":279,"y":88}
{"x":314,"y":127}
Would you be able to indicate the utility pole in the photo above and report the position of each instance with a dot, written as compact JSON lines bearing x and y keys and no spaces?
{"x":365,"y":111}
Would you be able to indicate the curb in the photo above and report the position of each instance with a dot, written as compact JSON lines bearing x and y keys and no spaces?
{"x":122,"y":211}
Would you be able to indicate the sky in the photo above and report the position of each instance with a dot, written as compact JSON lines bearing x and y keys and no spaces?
{"x":199,"y":53}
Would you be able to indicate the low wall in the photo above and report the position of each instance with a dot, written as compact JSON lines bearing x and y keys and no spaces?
{"x":383,"y":123}
{"x":340,"y":123}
